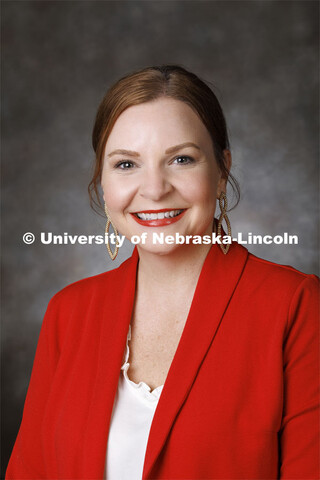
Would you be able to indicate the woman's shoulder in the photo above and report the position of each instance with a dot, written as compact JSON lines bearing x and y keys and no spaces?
{"x":83,"y":289}
{"x":275,"y":291}
{"x":82,"y":306}
{"x":284,"y":277}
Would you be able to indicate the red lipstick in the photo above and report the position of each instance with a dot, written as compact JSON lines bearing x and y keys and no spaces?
{"x":159,"y":222}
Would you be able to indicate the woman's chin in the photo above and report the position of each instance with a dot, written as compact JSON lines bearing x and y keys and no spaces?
{"x":158,"y":249}
{"x":166,"y":243}
{"x":168,"y":249}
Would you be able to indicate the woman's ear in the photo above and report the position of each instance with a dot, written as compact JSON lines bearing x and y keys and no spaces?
{"x":222,"y":185}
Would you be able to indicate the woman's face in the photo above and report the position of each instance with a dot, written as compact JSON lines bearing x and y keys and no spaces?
{"x":160,"y":173}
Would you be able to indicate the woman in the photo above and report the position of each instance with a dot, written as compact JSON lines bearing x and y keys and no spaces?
{"x":189,"y":361}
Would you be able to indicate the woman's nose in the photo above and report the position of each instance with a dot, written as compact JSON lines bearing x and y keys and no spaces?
{"x":155,"y":184}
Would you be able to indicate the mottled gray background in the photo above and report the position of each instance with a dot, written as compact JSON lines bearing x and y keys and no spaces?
{"x":59,"y":57}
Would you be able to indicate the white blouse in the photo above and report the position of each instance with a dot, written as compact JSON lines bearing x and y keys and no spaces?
{"x":131,"y":419}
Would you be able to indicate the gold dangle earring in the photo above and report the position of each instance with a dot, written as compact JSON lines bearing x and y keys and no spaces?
{"x":109,"y":222}
{"x":223,"y":203}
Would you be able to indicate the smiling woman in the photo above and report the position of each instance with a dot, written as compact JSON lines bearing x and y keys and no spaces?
{"x":171,"y":179}
{"x":192,"y":359}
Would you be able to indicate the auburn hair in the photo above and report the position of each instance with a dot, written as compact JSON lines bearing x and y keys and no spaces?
{"x":149,"y":84}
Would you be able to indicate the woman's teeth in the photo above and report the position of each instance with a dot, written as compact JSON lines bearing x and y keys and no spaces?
{"x":158,"y":216}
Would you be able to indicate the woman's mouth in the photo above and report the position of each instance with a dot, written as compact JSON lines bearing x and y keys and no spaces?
{"x":158,"y":218}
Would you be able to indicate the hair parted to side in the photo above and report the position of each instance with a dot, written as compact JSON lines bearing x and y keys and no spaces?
{"x":149,"y":84}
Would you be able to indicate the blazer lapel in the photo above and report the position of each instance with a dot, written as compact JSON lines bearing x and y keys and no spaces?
{"x":217,"y":282}
{"x":115,"y":306}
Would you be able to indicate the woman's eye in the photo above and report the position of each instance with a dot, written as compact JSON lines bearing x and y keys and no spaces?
{"x":183,"y":160}
{"x":124,"y":165}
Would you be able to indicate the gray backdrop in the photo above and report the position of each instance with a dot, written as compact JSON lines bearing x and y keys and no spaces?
{"x":58,"y":59}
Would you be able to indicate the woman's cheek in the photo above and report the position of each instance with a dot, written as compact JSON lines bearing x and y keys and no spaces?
{"x":117,"y":196}
{"x":201,"y":188}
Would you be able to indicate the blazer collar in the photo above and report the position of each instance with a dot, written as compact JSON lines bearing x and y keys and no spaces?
{"x":217,"y":281}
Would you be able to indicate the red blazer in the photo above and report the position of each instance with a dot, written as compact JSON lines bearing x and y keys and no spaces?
{"x":240,"y":399}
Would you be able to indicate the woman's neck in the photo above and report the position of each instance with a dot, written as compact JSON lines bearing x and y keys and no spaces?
{"x":178,"y":269}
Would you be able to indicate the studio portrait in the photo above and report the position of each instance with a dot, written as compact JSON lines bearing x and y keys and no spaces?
{"x":160,"y":239}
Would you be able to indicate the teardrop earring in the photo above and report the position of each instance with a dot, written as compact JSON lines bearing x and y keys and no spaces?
{"x":114,"y":253}
{"x":223,"y":203}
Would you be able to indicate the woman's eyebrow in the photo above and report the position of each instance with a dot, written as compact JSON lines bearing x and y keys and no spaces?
{"x":182,"y":145}
{"x":121,"y":151}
